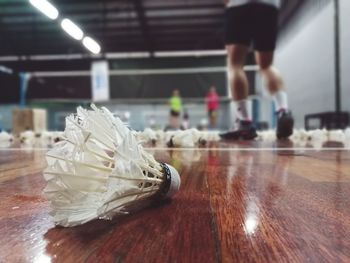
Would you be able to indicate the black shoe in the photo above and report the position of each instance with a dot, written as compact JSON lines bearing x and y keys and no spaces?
{"x":285,"y":123}
{"x":246,"y":131}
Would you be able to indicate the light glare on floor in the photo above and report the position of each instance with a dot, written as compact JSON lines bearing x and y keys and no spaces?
{"x":250,"y":225}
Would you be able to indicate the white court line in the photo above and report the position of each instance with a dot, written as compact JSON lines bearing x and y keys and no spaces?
{"x":210,"y":149}
{"x":24,"y":149}
{"x":252,"y":149}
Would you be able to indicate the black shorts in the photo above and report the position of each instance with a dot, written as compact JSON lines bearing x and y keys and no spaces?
{"x":249,"y":24}
{"x":174,"y":113}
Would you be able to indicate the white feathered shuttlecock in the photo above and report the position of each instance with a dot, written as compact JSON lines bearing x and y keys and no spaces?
{"x":160,"y":135}
{"x":57,"y":136}
{"x":46,"y":138}
{"x":148,"y":136}
{"x":317,"y":138}
{"x":5,"y":139}
{"x":267,"y":136}
{"x":300,"y":138}
{"x":336,"y":136}
{"x":186,"y":139}
{"x":100,"y":169}
{"x":27,"y":137}
{"x":347,"y":138}
{"x":210,"y":136}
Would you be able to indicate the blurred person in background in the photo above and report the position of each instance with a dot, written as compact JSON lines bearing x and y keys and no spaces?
{"x":175,"y":104}
{"x":212,"y":101}
{"x":254,"y":23}
{"x":186,"y":120}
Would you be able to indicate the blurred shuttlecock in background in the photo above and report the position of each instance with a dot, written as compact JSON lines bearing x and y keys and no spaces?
{"x":185,"y":139}
{"x":317,"y":138}
{"x":191,"y":138}
{"x":148,"y":136}
{"x":336,"y":136}
{"x":5,"y":139}
{"x":347,"y":138}
{"x":27,"y":137}
{"x":99,"y":169}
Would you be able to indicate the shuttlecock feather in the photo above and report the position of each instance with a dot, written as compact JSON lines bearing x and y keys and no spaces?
{"x":99,"y":169}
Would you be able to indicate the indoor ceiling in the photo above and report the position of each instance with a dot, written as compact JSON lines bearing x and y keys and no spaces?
{"x":118,"y":25}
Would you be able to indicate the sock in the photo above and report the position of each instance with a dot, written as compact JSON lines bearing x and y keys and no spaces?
{"x":244,"y":110}
{"x":281,"y":100}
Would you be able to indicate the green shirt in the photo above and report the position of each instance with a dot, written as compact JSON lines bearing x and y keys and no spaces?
{"x":175,"y":103}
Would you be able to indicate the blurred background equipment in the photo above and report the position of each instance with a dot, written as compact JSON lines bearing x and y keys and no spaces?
{"x":29,"y":119}
{"x":148,"y":48}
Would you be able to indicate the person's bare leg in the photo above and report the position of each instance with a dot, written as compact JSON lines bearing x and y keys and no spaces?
{"x":174,"y":122}
{"x":213,"y":121}
{"x":275,"y":86}
{"x":240,"y":91}
{"x":272,"y":78}
{"x":271,"y":75}
{"x":238,"y":80}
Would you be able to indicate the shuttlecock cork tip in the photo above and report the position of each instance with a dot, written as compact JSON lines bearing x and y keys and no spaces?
{"x":173,"y":181}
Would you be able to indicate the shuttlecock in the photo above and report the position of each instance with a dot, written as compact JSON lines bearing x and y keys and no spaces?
{"x":347,"y":138}
{"x":317,"y":138}
{"x":149,"y":136}
{"x":185,"y":139}
{"x":57,"y":136}
{"x":336,"y":136}
{"x":268,"y":136}
{"x":46,"y":138}
{"x":160,"y":134}
{"x":99,"y":169}
{"x":304,"y":135}
{"x":300,"y":138}
{"x":209,"y":136}
{"x":5,"y":139}
{"x":27,"y":137}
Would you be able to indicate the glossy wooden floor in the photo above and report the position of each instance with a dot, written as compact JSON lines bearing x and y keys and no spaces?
{"x":234,"y":206}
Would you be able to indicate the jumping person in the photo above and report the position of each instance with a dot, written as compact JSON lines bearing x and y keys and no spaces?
{"x":254,"y":22}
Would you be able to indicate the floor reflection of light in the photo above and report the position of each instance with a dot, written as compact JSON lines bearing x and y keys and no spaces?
{"x":251,"y":218}
{"x":42,"y":259}
{"x":250,"y":225}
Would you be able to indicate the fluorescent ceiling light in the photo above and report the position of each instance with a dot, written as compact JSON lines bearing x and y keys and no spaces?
{"x":72,"y":29}
{"x":91,"y":45}
{"x":5,"y":69}
{"x":46,"y":8}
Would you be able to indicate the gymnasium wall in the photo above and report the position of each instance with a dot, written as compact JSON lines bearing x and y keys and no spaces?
{"x":345,"y":51}
{"x":305,"y":57}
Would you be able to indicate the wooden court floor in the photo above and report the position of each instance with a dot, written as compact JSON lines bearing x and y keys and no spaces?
{"x":242,"y":202}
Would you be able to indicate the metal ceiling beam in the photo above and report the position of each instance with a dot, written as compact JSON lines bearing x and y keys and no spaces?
{"x":67,"y":11}
{"x":139,"y":8}
{"x":7,"y":42}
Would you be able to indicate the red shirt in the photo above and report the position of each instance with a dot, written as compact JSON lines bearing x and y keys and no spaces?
{"x":212,"y":101}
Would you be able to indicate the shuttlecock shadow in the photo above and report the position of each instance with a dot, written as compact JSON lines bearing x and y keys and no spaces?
{"x":59,"y":237}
